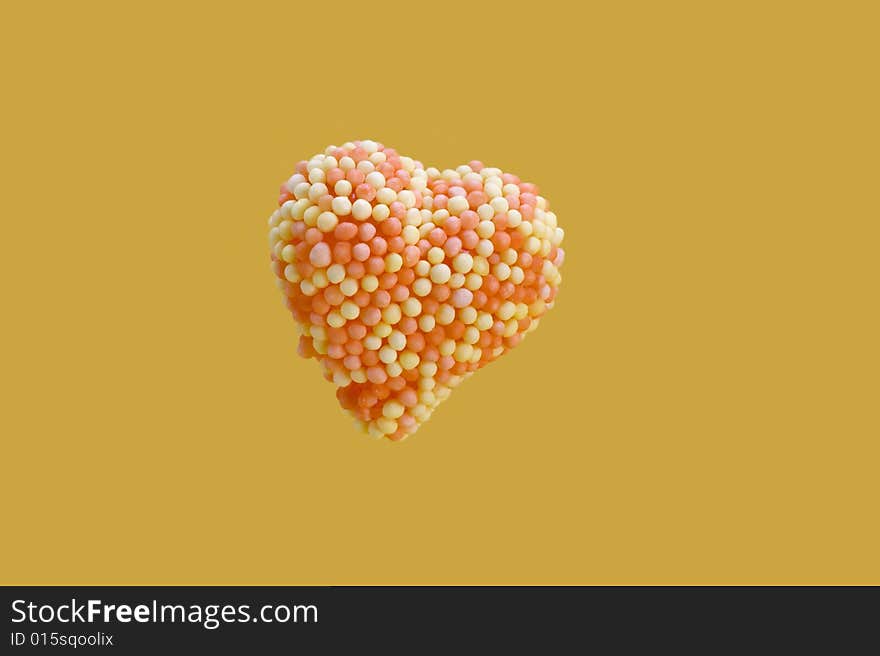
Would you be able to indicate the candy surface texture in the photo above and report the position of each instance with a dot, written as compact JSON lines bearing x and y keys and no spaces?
{"x":404,"y":280}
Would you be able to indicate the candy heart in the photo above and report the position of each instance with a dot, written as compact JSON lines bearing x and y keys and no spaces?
{"x":404,"y":280}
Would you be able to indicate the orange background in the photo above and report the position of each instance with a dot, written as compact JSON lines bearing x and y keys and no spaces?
{"x":699,"y":407}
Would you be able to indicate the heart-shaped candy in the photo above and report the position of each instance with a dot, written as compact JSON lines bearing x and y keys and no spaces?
{"x":404,"y":280}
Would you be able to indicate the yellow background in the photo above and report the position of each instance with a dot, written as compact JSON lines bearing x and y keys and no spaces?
{"x":700,"y":407}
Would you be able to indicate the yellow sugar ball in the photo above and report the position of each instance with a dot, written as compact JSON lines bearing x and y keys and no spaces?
{"x":413,"y":217}
{"x":440,"y":273}
{"x":336,"y":273}
{"x":359,"y":376}
{"x":484,"y":321}
{"x":485,"y":229}
{"x":291,"y":273}
{"x":481,"y":265}
{"x":411,"y":307}
{"x":287,"y":253}
{"x":391,"y":314}
{"x":473,"y":281}
{"x":301,"y":190}
{"x":375,"y":180}
{"x":387,"y":354}
{"x":349,"y":286}
{"x":327,"y":221}
{"x":341,"y":206}
{"x":467,"y":315}
{"x":372,"y":343}
{"x":539,"y":229}
{"x":463,"y":352}
{"x":499,"y":204}
{"x":501,"y":271}
{"x":410,"y":235}
{"x":442,"y":393}
{"x":386,"y":195}
{"x":392,"y":409}
{"x":463,"y":263}
{"x":505,"y":310}
{"x":394,"y":369}
{"x":382,"y":329}
{"x":407,"y":198}
{"x":310,"y":215}
{"x":393,"y":262}
{"x":408,"y":360}
{"x":422,"y":268}
{"x":307,"y":288}
{"x":350,"y":310}
{"x":381,"y":212}
{"x":342,"y":188}
{"x":436,"y":255}
{"x":456,"y":280}
{"x":316,"y":191}
{"x":427,"y":323}
{"x":369,"y":282}
{"x":421,"y":286}
{"x":447,"y":347}
{"x":485,"y":247}
{"x":517,"y":275}
{"x":471,"y":335}
{"x":428,"y":369}
{"x":397,"y":340}
{"x":316,"y":175}
{"x":335,"y":320}
{"x":445,"y":314}
{"x":456,"y":205}
{"x":386,"y":425}
{"x":361,"y":209}
{"x":284,"y":230}
{"x":319,"y":279}
{"x":522,"y":311}
{"x":298,"y":208}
